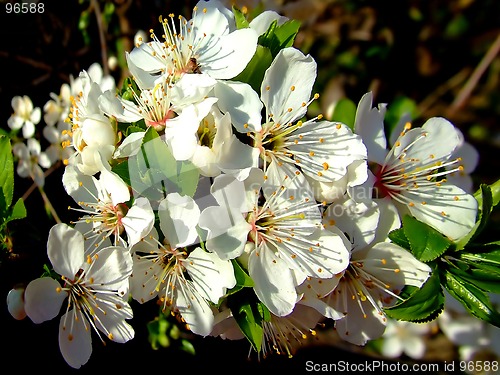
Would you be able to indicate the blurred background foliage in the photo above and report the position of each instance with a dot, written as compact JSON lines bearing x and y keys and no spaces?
{"x":425,"y":58}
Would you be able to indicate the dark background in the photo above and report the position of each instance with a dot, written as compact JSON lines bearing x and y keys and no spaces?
{"x":422,"y":50}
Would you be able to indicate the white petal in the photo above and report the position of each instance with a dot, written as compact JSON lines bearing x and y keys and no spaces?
{"x":194,"y":309}
{"x":242,"y":103}
{"x":28,"y":130}
{"x":139,"y":220}
{"x":65,"y":248}
{"x":115,"y":186}
{"x":414,"y":347}
{"x":262,"y":22}
{"x":288,"y":84}
{"x":393,"y":265}
{"x":442,"y":139}
{"x":191,"y":88}
{"x":230,"y":56}
{"x":447,"y":208}
{"x":80,"y":187}
{"x":42,"y":301}
{"x":144,"y":58}
{"x":226,"y":237}
{"x":230,"y":193}
{"x":362,"y":323}
{"x":211,"y":276}
{"x":391,"y":347}
{"x":325,"y":149}
{"x":273,"y":281}
{"x":75,"y":343}
{"x":111,"y":268}
{"x":369,"y":123}
{"x":113,"y":321}
{"x":358,"y":221}
{"x":130,"y":145}
{"x":179,"y":216}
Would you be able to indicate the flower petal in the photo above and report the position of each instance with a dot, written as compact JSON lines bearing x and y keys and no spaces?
{"x":211,"y":276}
{"x":75,"y":343}
{"x":65,"y":249}
{"x":42,"y":300}
{"x":273,"y":281}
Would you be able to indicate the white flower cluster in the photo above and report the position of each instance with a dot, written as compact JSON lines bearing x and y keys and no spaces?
{"x":189,"y":177}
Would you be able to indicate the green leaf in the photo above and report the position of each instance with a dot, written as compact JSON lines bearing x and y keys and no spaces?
{"x":345,"y":112}
{"x":471,"y":297}
{"x":422,"y":304}
{"x":426,"y":243}
{"x":484,"y":197}
{"x":242,"y":278}
{"x":154,"y":172}
{"x":247,"y":313}
{"x":17,"y":212}
{"x":485,"y":278}
{"x":122,"y":170}
{"x":240,"y":18}
{"x":6,"y":172}
{"x":495,"y":194}
{"x":253,"y":74}
{"x":398,"y":237}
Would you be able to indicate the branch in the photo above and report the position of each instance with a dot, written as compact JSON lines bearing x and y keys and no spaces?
{"x":464,"y":94}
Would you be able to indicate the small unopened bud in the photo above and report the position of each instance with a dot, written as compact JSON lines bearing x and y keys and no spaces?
{"x":15,"y":303}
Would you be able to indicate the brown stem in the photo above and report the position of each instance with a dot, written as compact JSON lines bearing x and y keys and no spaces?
{"x":473,"y":80}
{"x":102,"y":38}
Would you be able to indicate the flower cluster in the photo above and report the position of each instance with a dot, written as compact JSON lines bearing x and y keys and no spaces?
{"x":204,"y":186}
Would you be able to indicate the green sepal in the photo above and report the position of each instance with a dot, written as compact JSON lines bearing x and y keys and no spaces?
{"x":281,"y":36}
{"x":240,"y":18}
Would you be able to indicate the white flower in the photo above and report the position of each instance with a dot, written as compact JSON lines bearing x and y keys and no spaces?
{"x":59,"y":138}
{"x":401,"y":337}
{"x":95,"y":287}
{"x":31,"y":160}
{"x":322,"y":150}
{"x":57,"y":108}
{"x":413,"y":173}
{"x":377,"y":272}
{"x":208,"y":44}
{"x":186,"y":282}
{"x":219,"y":150}
{"x":93,"y":134}
{"x":286,"y":241}
{"x":25,"y":116}
{"x":282,"y":335}
{"x":103,"y":203}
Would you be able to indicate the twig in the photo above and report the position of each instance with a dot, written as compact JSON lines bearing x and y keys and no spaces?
{"x":464,"y":94}
{"x":48,"y":205}
{"x":102,"y":38}
{"x":34,"y":185}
